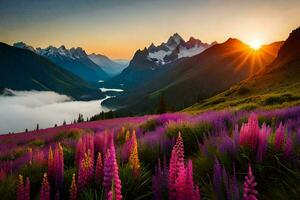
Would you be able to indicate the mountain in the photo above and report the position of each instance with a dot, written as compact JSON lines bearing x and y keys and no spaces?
{"x":111,"y":67}
{"x":155,"y":60}
{"x":186,"y":81}
{"x":276,"y":86}
{"x":74,"y":60}
{"x":122,"y":62}
{"x":25,"y":70}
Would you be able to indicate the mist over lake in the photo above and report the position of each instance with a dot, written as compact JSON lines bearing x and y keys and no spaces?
{"x":24,"y":109}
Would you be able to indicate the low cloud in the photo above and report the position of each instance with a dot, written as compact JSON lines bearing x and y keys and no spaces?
{"x":24,"y":109}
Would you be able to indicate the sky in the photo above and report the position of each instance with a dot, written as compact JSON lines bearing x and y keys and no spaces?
{"x":117,"y":28}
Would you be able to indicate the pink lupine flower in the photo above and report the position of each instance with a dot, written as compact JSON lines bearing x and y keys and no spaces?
{"x":39,"y":158}
{"x":189,"y":187}
{"x":172,"y":174}
{"x":2,"y":174}
{"x":111,"y":194}
{"x":250,"y":193}
{"x":99,"y":169}
{"x":111,"y":172}
{"x":84,"y":144}
{"x":85,"y":172}
{"x":197,"y":193}
{"x":249,"y":132}
{"x":264,"y":134}
{"x":21,"y":188}
{"x":125,"y":150}
{"x":30,"y":156}
{"x":45,"y":189}
{"x":73,"y":189}
{"x":56,"y":166}
{"x":23,"y":192}
{"x":279,"y":137}
{"x":176,"y":166}
{"x":27,"y":189}
{"x":180,"y":185}
{"x":180,"y":152}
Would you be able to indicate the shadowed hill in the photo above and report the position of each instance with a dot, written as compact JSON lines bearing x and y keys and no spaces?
{"x":24,"y":70}
{"x":278,"y":84}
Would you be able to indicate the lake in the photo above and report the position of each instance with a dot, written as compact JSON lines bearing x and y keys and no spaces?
{"x":24,"y":109}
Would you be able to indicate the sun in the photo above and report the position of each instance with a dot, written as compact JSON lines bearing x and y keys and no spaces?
{"x":255,"y":44}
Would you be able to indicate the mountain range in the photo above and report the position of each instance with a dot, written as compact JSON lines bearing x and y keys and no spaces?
{"x":185,"y":73}
{"x":187,"y":80}
{"x":154,"y":60}
{"x":112,"y":68}
{"x":26,"y":70}
{"x":74,"y":60}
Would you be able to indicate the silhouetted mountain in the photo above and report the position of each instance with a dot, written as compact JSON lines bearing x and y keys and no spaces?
{"x":282,"y":73}
{"x":111,"y":67}
{"x":278,"y":84}
{"x":25,"y":70}
{"x":189,"y":80}
{"x":74,"y":60}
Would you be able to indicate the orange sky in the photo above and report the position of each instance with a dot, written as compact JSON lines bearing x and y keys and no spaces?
{"x":118,"y":28}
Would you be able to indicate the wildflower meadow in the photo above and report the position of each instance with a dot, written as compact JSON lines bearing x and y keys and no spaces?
{"x":226,"y":155}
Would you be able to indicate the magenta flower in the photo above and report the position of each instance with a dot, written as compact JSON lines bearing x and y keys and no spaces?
{"x":85,"y":172}
{"x":189,"y":185}
{"x":176,"y":166}
{"x":250,"y":193}
{"x":279,"y":137}
{"x":85,"y":143}
{"x":99,"y":169}
{"x":73,"y":189}
{"x":45,"y":189}
{"x":21,"y":189}
{"x":180,"y":179}
{"x":264,"y":134}
{"x":111,"y":172}
{"x":27,"y":189}
{"x":180,"y":185}
{"x":2,"y":174}
{"x":23,"y":192}
{"x":249,"y":132}
{"x":197,"y":193}
{"x":56,"y":166}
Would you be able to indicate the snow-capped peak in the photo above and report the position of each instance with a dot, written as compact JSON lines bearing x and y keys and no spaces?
{"x":175,"y":40}
{"x":23,"y":45}
{"x":175,"y":48}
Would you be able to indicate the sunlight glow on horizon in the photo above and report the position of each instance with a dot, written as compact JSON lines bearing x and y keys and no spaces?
{"x":255,"y":44}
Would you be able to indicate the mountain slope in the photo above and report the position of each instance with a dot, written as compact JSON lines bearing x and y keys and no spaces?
{"x":74,"y":60}
{"x":201,"y":76}
{"x":24,"y":70}
{"x":110,"y":67}
{"x":155,"y":60}
{"x":275,"y":86}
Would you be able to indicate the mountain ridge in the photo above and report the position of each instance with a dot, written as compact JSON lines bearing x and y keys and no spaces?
{"x":25,"y":70}
{"x":74,"y":60}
